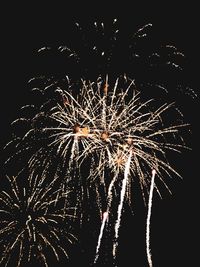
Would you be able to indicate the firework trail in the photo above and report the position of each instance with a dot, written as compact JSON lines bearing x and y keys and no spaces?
{"x":105,"y":218}
{"x":34,"y":222}
{"x":148,"y":220}
{"x":109,"y":202}
{"x":122,"y":196}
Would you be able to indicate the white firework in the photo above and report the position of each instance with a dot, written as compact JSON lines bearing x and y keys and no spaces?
{"x":35,"y":222}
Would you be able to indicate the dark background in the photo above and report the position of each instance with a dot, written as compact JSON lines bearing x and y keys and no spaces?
{"x":24,"y":29}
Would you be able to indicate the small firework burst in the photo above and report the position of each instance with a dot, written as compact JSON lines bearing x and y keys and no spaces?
{"x":35,"y":222}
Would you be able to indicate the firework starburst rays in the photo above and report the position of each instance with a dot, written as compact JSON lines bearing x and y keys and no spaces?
{"x":34,"y":222}
{"x":104,"y":122}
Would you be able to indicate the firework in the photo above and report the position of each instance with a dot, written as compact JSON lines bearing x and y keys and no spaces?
{"x":113,"y":129}
{"x":103,"y":125}
{"x":107,"y":123}
{"x":34,"y":222}
{"x":148,"y":219}
{"x":101,"y":48}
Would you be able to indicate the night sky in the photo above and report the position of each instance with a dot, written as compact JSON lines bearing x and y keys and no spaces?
{"x":174,"y":222}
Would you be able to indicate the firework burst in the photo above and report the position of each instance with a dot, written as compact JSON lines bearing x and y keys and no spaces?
{"x":104,"y":125}
{"x":34,"y":222}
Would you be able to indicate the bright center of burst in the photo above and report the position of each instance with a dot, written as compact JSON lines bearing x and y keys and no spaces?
{"x":105,"y":136}
{"x":119,"y":161}
{"x":81,"y":131}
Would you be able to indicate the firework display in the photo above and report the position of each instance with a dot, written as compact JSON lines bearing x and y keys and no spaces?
{"x":89,"y":135}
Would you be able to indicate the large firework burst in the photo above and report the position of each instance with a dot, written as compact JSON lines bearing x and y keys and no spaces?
{"x":103,"y":123}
